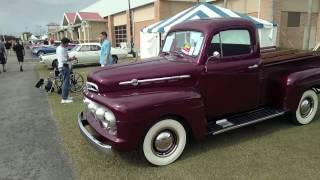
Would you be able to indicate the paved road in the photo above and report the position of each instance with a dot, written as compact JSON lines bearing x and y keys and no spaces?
{"x":30,"y":147}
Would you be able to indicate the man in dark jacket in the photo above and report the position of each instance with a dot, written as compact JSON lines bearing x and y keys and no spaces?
{"x":8,"y":47}
{"x":19,"y":49}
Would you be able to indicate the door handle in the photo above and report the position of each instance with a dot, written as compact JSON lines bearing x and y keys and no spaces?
{"x":253,"y":67}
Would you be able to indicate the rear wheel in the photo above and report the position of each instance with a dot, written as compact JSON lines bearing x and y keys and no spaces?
{"x":164,"y":142}
{"x":115,"y":59}
{"x":307,"y":108}
{"x":54,"y":64}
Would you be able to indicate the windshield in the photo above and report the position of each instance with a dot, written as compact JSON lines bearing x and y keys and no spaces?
{"x":76,"y":48}
{"x":184,"y":42}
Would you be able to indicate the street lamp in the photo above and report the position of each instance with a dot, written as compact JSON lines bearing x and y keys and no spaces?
{"x":131,"y":30}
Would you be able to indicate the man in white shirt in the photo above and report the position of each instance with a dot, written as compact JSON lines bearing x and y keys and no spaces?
{"x":64,"y":65}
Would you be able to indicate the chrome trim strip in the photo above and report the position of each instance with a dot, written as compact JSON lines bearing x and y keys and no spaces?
{"x":136,"y":82}
{"x":90,"y":138}
{"x":248,"y":123}
{"x":92,"y":87}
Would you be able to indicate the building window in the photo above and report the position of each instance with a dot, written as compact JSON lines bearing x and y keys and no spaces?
{"x":120,"y":34}
{"x":294,"y":19}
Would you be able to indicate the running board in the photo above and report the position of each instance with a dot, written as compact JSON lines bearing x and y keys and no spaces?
{"x":245,"y":119}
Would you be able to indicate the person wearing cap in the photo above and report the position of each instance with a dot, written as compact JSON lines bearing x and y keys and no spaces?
{"x":105,"y":53}
{"x":64,"y":66}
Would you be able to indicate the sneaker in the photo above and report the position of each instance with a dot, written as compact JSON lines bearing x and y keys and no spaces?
{"x":70,"y":98}
{"x":66,"y":101}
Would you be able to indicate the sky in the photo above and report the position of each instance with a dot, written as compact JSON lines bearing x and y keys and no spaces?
{"x":18,"y":16}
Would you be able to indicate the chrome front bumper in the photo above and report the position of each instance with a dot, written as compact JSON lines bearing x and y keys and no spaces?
{"x":95,"y":142}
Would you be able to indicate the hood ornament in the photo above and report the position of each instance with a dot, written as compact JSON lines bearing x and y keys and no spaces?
{"x":134,"y":82}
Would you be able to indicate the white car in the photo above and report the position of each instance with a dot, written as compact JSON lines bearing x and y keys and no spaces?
{"x":86,"y":53}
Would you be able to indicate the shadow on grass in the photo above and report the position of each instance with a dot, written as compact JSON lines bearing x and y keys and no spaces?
{"x":221,"y":141}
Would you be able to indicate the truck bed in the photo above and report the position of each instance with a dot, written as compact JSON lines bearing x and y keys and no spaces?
{"x":276,"y":56}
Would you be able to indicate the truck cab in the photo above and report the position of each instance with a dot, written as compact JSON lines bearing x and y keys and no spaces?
{"x":209,"y":78}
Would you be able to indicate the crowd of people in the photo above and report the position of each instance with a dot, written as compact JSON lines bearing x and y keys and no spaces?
{"x":7,"y":48}
{"x":64,"y":61}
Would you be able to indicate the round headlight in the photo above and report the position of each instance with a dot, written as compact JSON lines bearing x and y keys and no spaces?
{"x":100,"y":113}
{"x":92,"y":107}
{"x":86,"y":101}
{"x":110,"y":117}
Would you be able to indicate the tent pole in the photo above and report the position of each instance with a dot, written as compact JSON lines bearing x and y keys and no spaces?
{"x":225,"y":3}
{"x":259,"y":8}
{"x":307,"y":38}
{"x":131,"y":29}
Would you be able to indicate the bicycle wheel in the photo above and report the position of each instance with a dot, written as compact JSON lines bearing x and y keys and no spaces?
{"x":57,"y":83}
{"x":77,"y":82}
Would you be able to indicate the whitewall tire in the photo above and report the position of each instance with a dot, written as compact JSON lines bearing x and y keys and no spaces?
{"x":164,"y":142}
{"x":307,"y":108}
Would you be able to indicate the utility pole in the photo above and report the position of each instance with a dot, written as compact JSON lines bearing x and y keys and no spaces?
{"x":307,"y":38}
{"x":131,"y":30}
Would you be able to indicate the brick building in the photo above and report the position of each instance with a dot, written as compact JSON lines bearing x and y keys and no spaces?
{"x":144,"y":13}
{"x":80,"y":26}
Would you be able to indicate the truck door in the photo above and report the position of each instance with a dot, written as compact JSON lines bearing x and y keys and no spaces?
{"x":232,"y":77}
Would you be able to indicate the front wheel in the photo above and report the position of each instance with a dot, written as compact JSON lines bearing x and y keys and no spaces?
{"x":77,"y":82}
{"x":307,"y":108}
{"x":164,"y":142}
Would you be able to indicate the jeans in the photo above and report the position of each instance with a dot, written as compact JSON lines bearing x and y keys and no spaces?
{"x":66,"y":82}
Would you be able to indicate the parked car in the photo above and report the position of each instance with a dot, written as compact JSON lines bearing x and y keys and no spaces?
{"x":209,"y":79}
{"x":43,"y":50}
{"x":87,"y":53}
{"x":40,"y":51}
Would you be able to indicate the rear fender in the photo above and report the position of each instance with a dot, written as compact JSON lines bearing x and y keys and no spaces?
{"x":296,"y":84}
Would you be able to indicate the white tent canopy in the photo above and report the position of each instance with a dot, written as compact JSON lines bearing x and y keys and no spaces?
{"x":33,"y":38}
{"x":150,"y":37}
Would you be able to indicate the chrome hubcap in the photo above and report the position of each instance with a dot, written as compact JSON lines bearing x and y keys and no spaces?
{"x":165,"y":143}
{"x":306,"y":107}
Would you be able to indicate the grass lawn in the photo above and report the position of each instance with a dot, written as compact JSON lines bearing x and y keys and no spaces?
{"x":274,"y":149}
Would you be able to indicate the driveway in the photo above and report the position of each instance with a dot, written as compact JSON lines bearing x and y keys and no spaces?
{"x":30,"y":147}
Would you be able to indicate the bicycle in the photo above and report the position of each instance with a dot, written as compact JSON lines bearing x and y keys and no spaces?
{"x":77,"y":82}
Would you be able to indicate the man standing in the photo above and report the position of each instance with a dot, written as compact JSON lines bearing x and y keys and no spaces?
{"x":3,"y":56}
{"x":19,"y":49}
{"x":64,"y":65}
{"x":8,"y":47}
{"x":105,"y":53}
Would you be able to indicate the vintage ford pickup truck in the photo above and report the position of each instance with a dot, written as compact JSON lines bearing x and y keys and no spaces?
{"x":211,"y":77}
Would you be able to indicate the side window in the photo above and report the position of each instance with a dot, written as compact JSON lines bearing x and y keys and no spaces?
{"x":231,"y":43}
{"x":95,"y":48}
{"x":85,"y":48}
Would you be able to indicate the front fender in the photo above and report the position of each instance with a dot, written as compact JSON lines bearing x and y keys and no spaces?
{"x":144,"y":107}
{"x":296,"y":84}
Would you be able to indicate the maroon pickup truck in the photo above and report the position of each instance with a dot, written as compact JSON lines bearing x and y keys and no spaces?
{"x":210,"y":77}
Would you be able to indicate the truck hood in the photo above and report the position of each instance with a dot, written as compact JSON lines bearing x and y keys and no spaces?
{"x":153,"y":72}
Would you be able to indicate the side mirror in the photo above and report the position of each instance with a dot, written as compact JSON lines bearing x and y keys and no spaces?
{"x":215,"y":55}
